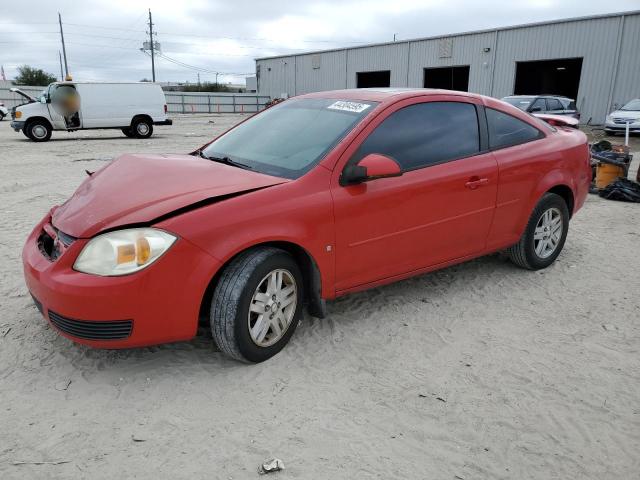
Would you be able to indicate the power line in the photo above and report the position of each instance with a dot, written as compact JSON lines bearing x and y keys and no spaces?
{"x":262,"y":39}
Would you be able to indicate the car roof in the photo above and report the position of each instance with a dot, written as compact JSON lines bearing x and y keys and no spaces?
{"x":384,"y":94}
{"x":539,"y":95}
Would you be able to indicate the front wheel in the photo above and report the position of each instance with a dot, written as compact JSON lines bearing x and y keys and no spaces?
{"x":128,"y":132}
{"x":1,"y":116}
{"x":38,"y":130}
{"x":257,"y":304}
{"x":544,"y":236}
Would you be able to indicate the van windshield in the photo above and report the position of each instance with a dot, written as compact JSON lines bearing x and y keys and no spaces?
{"x":288,"y":139}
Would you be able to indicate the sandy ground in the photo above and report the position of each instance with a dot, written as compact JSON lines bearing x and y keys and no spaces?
{"x":479,"y":371}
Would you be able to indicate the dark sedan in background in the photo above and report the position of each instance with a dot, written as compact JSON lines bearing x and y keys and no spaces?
{"x":551,"y":104}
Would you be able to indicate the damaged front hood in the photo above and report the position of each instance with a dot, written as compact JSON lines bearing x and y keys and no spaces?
{"x":138,"y":189}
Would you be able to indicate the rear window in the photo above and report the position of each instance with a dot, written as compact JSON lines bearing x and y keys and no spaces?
{"x":506,"y":131}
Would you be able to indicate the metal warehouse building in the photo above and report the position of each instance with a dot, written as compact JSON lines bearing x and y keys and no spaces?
{"x":595,"y":60}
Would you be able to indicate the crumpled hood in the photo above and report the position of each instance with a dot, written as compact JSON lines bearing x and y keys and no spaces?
{"x":136,"y":189}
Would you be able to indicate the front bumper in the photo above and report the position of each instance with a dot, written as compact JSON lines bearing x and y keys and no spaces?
{"x":621,"y":127}
{"x":17,"y":125}
{"x":156,"y":305}
{"x":168,"y":121}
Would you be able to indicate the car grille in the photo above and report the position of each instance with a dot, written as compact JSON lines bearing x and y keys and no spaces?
{"x":109,"y":330}
{"x":623,"y":121}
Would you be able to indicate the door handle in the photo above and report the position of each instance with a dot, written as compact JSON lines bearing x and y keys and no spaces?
{"x":475,"y":182}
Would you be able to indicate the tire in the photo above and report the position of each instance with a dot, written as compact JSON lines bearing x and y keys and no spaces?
{"x":531,"y":253}
{"x":128,"y":132}
{"x":1,"y":116}
{"x":232,"y":321}
{"x":38,"y":130}
{"x":142,"y":128}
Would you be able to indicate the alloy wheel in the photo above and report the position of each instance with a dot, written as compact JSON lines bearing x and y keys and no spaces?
{"x":548,"y":232}
{"x":272,"y":307}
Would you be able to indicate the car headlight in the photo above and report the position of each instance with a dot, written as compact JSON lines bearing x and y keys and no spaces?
{"x":123,"y":251}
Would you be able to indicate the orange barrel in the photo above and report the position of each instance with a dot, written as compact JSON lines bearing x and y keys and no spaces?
{"x":607,"y":173}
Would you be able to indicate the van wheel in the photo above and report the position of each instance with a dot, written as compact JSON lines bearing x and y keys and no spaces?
{"x":544,"y":236}
{"x":38,"y":130}
{"x":142,"y":128}
{"x":1,"y":116}
{"x":127,"y":131}
{"x":257,"y":304}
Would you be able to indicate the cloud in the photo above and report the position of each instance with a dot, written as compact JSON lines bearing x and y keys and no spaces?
{"x":104,"y":36}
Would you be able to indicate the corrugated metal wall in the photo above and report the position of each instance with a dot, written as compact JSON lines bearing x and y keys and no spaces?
{"x":609,"y":46}
{"x":592,"y":40}
{"x":627,"y":78}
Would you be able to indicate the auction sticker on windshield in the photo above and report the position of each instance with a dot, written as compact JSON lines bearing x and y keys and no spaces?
{"x":349,"y":106}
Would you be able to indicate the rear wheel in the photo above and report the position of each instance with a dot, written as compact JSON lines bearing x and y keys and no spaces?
{"x":256,"y":304}
{"x":1,"y":116}
{"x":128,"y":132}
{"x":38,"y":130}
{"x":544,"y":236}
{"x":142,"y":128}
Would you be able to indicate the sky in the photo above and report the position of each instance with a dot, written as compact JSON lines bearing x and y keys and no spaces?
{"x":210,"y":37}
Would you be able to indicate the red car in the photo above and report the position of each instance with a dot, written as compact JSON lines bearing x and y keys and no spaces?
{"x":316,"y":197}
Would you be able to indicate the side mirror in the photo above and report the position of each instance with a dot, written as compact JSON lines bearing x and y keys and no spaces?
{"x":536,"y":109}
{"x":371,"y":167}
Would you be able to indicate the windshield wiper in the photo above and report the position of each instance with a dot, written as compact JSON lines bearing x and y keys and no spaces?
{"x":226,"y":160}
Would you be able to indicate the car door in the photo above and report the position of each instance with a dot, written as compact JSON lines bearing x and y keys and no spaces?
{"x":439,"y":209}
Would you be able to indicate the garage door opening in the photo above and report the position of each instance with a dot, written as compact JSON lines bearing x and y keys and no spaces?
{"x":549,"y":77}
{"x":380,"y":78}
{"x":449,"y":78}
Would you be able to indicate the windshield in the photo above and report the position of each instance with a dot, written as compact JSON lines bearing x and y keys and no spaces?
{"x":288,"y":139}
{"x":632,"y":106}
{"x":521,"y":102}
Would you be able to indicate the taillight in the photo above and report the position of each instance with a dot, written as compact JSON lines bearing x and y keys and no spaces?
{"x":165,"y":108}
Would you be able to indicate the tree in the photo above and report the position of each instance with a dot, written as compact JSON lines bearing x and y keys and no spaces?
{"x":33,"y":76}
{"x":206,"y":87}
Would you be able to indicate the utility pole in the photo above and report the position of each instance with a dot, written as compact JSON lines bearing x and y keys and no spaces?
{"x":61,"y":73}
{"x":198,"y":79}
{"x":64,"y":50}
{"x":153,"y":62}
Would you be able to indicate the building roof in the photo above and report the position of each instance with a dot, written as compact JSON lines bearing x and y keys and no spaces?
{"x":473,"y":32}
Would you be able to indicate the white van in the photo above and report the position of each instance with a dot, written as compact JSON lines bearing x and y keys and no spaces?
{"x":133,"y":108}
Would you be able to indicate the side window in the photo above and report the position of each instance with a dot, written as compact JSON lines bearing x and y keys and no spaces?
{"x":425,"y":134}
{"x":554,"y":104}
{"x":506,"y":131}
{"x":538,"y":104}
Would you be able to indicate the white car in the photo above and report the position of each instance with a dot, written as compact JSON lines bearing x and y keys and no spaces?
{"x":133,"y":108}
{"x":630,"y":113}
{"x":3,"y":111}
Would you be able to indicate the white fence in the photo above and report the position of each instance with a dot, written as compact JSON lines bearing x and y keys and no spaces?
{"x":214,"y":102}
{"x":177,"y":102}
